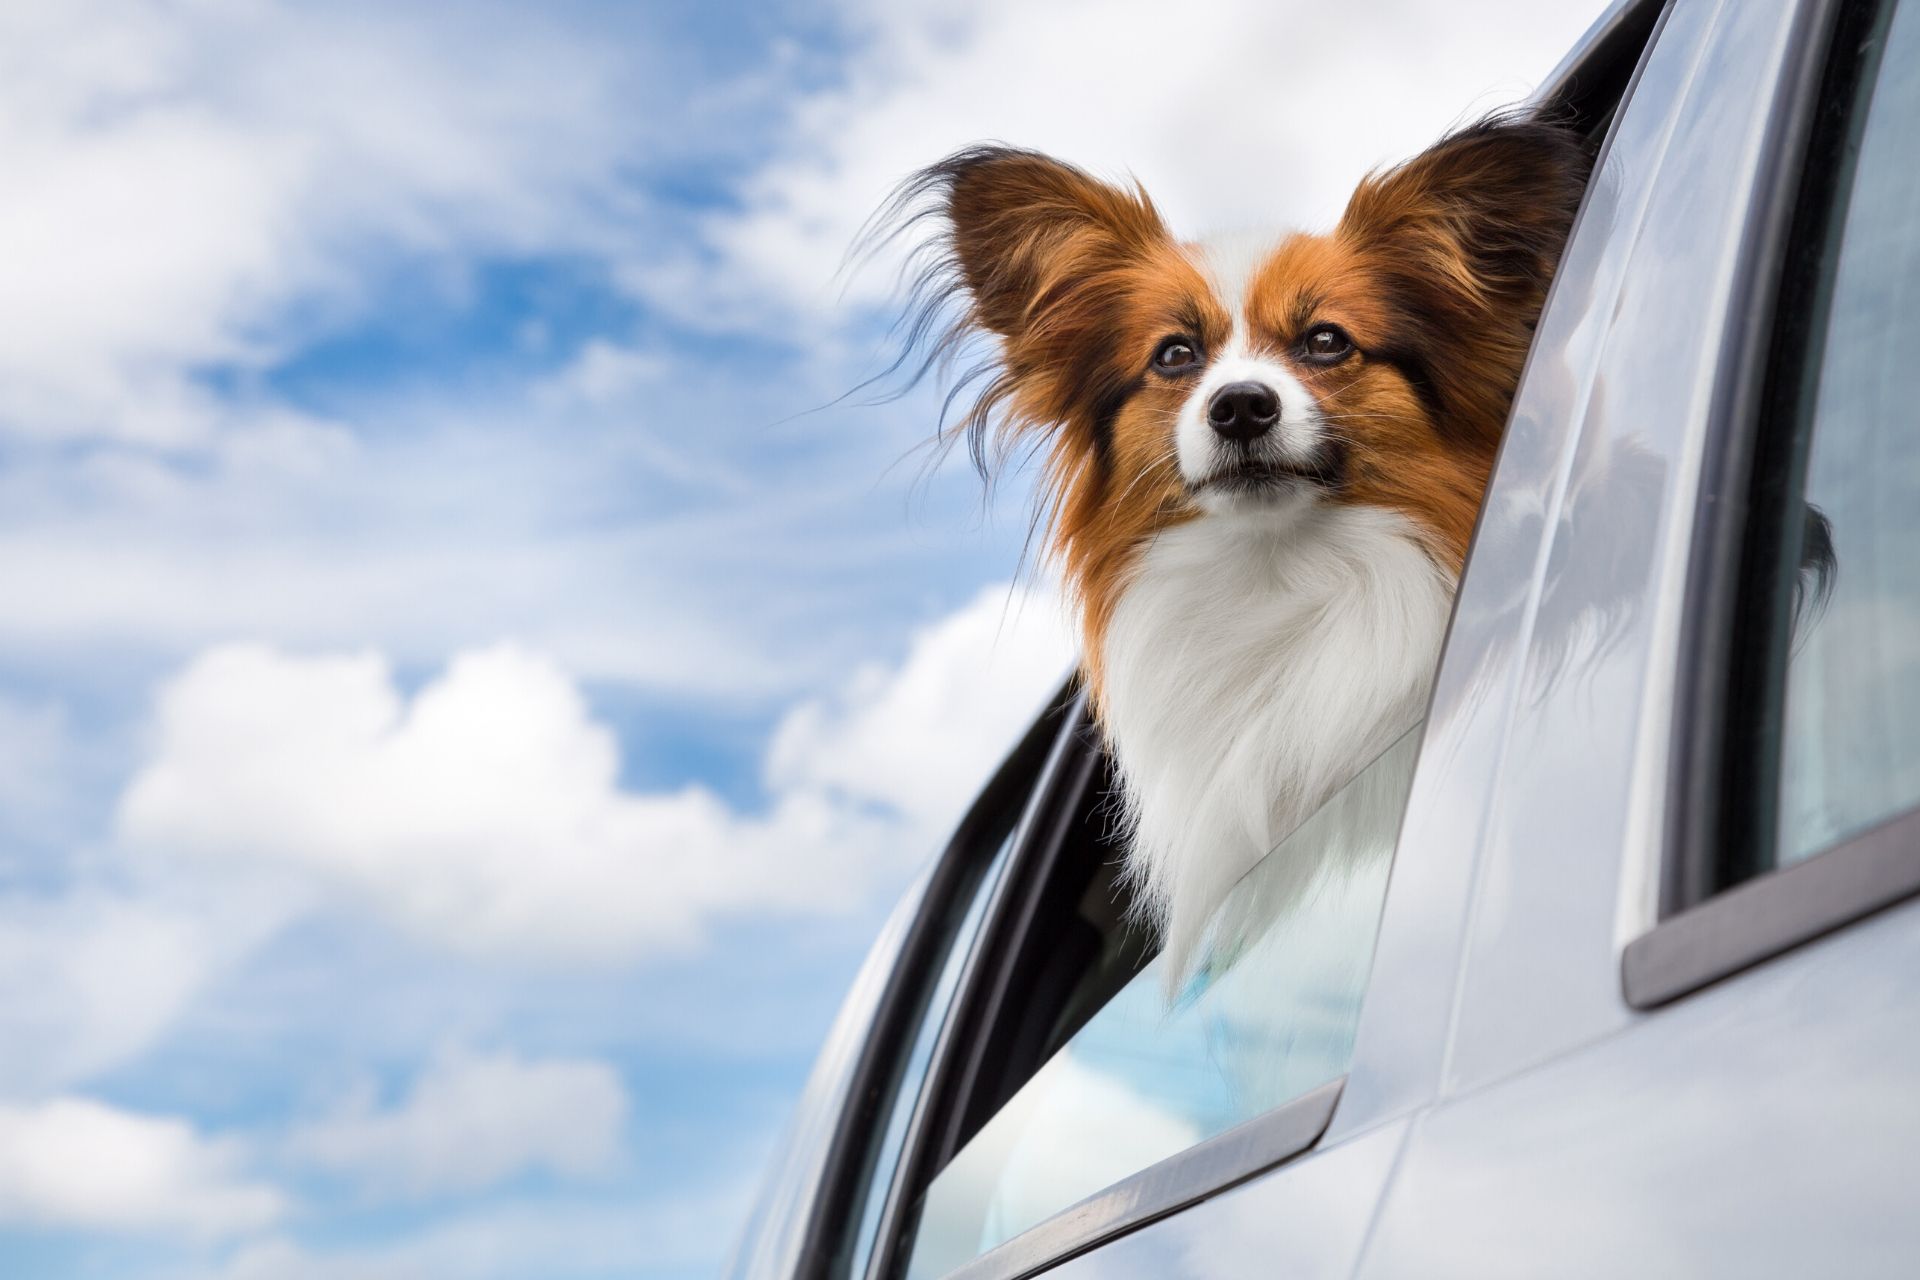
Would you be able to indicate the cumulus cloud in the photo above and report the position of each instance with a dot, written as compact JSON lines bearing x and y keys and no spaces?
{"x":920,"y":737}
{"x":473,"y":1120}
{"x":73,"y":1162}
{"x":1265,"y":118}
{"x":486,"y":814}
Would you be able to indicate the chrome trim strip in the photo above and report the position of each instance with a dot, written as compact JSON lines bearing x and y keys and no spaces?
{"x":1158,"y":1190}
{"x":1758,"y":920}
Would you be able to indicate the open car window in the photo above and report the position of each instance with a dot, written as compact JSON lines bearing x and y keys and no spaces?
{"x":1265,"y":1015}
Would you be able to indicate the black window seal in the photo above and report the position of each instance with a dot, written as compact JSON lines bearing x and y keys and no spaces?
{"x":1702,"y":935}
{"x":1591,"y":88}
{"x":986,"y":983}
{"x":1012,"y":787}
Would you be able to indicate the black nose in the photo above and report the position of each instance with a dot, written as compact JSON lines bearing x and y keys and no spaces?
{"x":1243,"y":410}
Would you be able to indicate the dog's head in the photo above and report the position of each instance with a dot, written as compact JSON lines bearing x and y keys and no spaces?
{"x":1165,"y":381}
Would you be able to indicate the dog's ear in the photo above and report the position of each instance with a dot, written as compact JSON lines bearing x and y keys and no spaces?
{"x":1482,"y":213}
{"x":1463,"y":240}
{"x":1027,"y":233}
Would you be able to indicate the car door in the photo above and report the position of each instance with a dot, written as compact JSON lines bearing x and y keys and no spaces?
{"x":1684,"y":1037}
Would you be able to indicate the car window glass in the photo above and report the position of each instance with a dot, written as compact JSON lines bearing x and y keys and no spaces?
{"x":1850,"y":729}
{"x":1267,"y":1014}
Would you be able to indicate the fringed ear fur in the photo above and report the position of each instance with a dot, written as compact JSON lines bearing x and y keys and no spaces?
{"x":1034,"y":252}
{"x":1025,"y":228}
{"x":1465,"y":237}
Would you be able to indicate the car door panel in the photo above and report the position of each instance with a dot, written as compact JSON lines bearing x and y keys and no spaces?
{"x":1763,"y":1127}
{"x":1577,"y":829}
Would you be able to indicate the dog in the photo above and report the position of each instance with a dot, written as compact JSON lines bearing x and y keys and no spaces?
{"x":1263,"y":458}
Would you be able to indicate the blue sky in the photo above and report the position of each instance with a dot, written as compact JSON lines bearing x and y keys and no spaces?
{"x":468,"y":692}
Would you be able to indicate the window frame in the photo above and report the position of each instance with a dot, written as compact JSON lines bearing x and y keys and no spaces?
{"x":1704,"y":932}
{"x":984,"y":982}
{"x":1588,"y":89}
{"x":1013,"y":792}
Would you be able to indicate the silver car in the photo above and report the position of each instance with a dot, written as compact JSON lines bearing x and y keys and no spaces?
{"x":1625,"y":982}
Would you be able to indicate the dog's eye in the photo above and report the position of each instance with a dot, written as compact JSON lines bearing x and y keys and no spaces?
{"x":1327,"y":344}
{"x":1175,"y":354}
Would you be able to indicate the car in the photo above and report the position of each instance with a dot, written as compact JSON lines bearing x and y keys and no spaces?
{"x":1629,"y":986}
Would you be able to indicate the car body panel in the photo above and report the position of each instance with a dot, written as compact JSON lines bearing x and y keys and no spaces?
{"x":1577,"y":826}
{"x":1516,"y":633}
{"x":1763,"y":1129}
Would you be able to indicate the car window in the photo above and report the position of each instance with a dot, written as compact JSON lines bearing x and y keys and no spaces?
{"x":1851,"y":722}
{"x":1795,"y":806}
{"x":1845,"y":720}
{"x":1267,"y":1014}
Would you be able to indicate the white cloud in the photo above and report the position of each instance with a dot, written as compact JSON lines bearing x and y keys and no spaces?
{"x":473,"y":1120}
{"x":76,"y":1163}
{"x":678,"y":1233}
{"x":42,"y":765}
{"x":483,"y":814}
{"x":630,"y":550}
{"x":1248,"y":114}
{"x":223,"y":182}
{"x":179,"y":176}
{"x":92,"y":975}
{"x":486,"y":814}
{"x":921,"y":736}
{"x":87,"y":980}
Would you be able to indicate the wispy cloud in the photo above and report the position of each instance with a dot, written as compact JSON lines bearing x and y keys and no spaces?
{"x":92,"y":975}
{"x":673,"y":1235}
{"x":1252,"y":115}
{"x":196,"y":184}
{"x":74,"y":1162}
{"x":473,"y":1120}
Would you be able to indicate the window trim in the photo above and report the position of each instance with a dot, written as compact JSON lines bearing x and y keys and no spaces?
{"x":1071,"y":767}
{"x":1702,"y":936}
{"x":1201,"y":1171}
{"x":1597,"y":77}
{"x":1017,"y":784}
{"x":1774,"y":913}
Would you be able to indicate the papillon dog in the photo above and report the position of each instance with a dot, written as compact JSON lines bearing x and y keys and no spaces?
{"x":1263,"y":458}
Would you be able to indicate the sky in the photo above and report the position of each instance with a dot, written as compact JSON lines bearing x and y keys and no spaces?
{"x":472,"y":680}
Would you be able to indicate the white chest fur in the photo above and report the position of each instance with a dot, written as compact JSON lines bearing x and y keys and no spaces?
{"x":1256,"y":660}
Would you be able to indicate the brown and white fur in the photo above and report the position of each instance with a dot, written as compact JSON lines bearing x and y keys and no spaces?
{"x":1263,"y":459}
